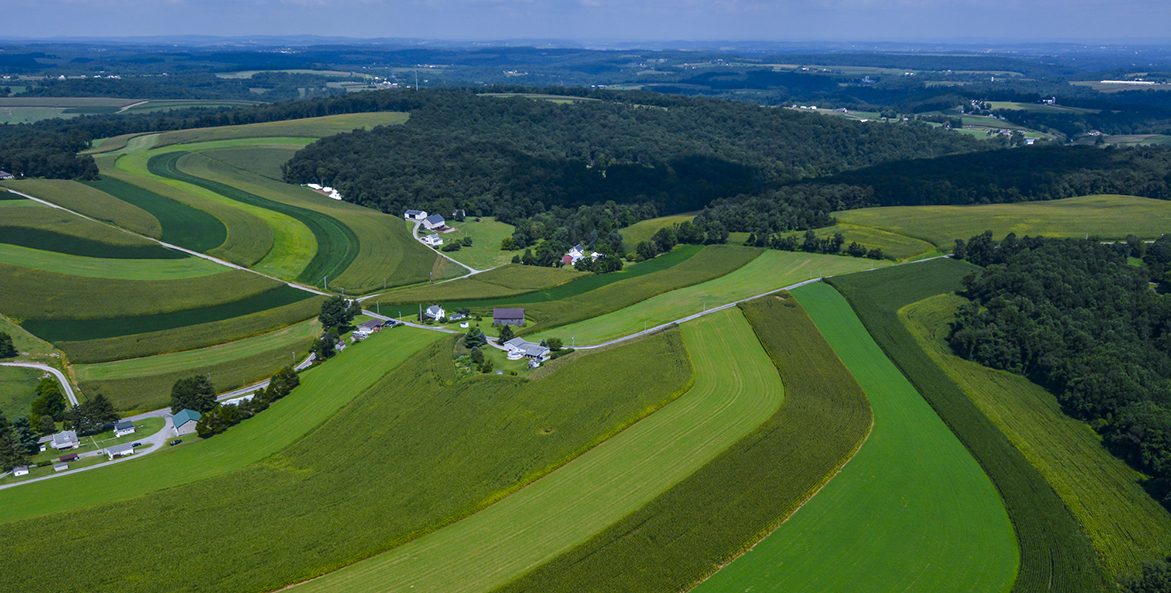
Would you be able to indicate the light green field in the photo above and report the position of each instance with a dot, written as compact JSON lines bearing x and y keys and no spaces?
{"x":168,"y":104}
{"x":773,"y":270}
{"x":30,"y":214}
{"x":28,"y":346}
{"x":101,"y":267}
{"x":262,"y":160}
{"x":313,"y":127}
{"x":894,"y":245}
{"x":1107,"y":216}
{"x":64,"y":102}
{"x":1038,"y":107}
{"x":1124,"y":523}
{"x":912,"y":511}
{"x":505,"y":281}
{"x":90,"y":202}
{"x":736,"y":389}
{"x":486,"y":236}
{"x":1139,"y":140}
{"x":645,"y":229}
{"x":18,"y":389}
{"x":323,"y":391}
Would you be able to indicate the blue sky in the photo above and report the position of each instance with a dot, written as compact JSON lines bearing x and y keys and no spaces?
{"x":619,"y":20}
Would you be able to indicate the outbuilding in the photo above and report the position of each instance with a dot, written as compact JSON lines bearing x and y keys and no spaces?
{"x":65,"y":440}
{"x":435,"y":221}
{"x":20,"y":470}
{"x":6,"y":175}
{"x":508,"y":316}
{"x":60,"y":467}
{"x":415,"y":214}
{"x":185,"y":422}
{"x":120,"y":451}
{"x":68,"y":458}
{"x":123,"y":428}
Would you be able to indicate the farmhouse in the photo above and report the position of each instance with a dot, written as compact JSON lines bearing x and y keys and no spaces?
{"x":65,"y":440}
{"x":433,"y":240}
{"x":433,"y":222}
{"x":185,"y":422}
{"x":518,"y":346}
{"x":435,"y":312}
{"x":123,"y":428}
{"x":368,"y":327}
{"x":20,"y":470}
{"x":415,"y":214}
{"x":6,"y":175}
{"x":508,"y":316}
{"x":120,"y":451}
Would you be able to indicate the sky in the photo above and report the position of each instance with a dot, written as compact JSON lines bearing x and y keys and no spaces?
{"x":601,"y":20}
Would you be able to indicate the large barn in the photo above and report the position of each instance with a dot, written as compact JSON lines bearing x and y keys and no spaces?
{"x":508,"y":316}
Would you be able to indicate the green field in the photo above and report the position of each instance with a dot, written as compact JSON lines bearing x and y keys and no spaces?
{"x":86,"y":200}
{"x":145,"y":383}
{"x":262,"y":160}
{"x":1125,"y":524}
{"x":486,"y":236}
{"x":52,"y":229}
{"x":1107,"y":216}
{"x":644,"y":230}
{"x":911,"y":512}
{"x":899,"y":247}
{"x":96,"y":267}
{"x":1038,"y":107}
{"x":181,"y":224}
{"x":722,"y":509}
{"x":772,"y":270}
{"x":736,"y":389}
{"x":28,"y":346}
{"x":408,"y":430}
{"x":324,"y":390}
{"x":17,"y":391}
{"x":1056,"y":555}
{"x":313,"y":127}
{"x":168,"y":104}
{"x":505,"y":281}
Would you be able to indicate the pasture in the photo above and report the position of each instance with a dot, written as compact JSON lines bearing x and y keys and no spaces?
{"x":722,"y":509}
{"x":912,"y":511}
{"x":145,"y":383}
{"x":28,"y":346}
{"x":102,"y":267}
{"x":91,"y":202}
{"x":894,"y":245}
{"x":17,"y":391}
{"x":645,"y":229}
{"x":486,"y":236}
{"x":312,"y":127}
{"x":1124,"y":523}
{"x":1106,"y":216}
{"x":1055,"y":553}
{"x":323,"y":391}
{"x":408,"y":430}
{"x":736,"y":389}
{"x":772,"y":270}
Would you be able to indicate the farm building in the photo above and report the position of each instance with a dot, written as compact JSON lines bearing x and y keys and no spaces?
{"x":68,"y":458}
{"x":415,"y":214}
{"x":567,"y":260}
{"x":20,"y":470}
{"x":433,"y":240}
{"x":6,"y":175}
{"x":433,"y":222}
{"x":65,"y":440}
{"x":185,"y":422}
{"x":120,"y":451}
{"x":123,"y":428}
{"x":435,"y":312}
{"x":508,"y":316}
{"x":518,"y":346}
{"x":60,"y":467}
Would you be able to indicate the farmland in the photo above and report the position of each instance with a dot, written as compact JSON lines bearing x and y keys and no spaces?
{"x":313,"y":127}
{"x":505,"y":281}
{"x":98,"y":267}
{"x":526,"y":428}
{"x":721,"y":509}
{"x":772,"y":270}
{"x":51,"y":229}
{"x":894,"y":245}
{"x":1107,"y":216}
{"x":644,"y":230}
{"x":263,"y":160}
{"x":1125,"y":524}
{"x":93,"y":203}
{"x":323,"y":391}
{"x":1055,"y":553}
{"x":486,"y":236}
{"x":736,"y":389}
{"x":181,"y":224}
{"x":17,"y":391}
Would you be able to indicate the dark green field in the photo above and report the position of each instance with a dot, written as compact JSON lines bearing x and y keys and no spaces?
{"x":182,"y":225}
{"x":46,"y":240}
{"x":337,"y":245}
{"x":707,"y":519}
{"x":1056,"y":554}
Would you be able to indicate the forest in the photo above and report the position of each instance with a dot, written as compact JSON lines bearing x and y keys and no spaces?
{"x":1073,"y":316}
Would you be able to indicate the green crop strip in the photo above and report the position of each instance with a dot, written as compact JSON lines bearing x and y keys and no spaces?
{"x":699,"y":524}
{"x":73,"y":330}
{"x":47,"y":240}
{"x":337,"y":245}
{"x":1056,"y":554}
{"x":182,"y":225}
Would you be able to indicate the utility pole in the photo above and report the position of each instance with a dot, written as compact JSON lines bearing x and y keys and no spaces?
{"x":325,"y":282}
{"x":294,"y":358}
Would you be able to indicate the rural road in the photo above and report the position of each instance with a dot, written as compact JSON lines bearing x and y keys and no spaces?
{"x":408,"y":323}
{"x":415,"y":235}
{"x":44,"y":367}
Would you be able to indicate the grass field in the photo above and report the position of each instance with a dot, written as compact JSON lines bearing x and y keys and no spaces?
{"x":52,"y":229}
{"x":181,"y":224}
{"x":486,"y":236}
{"x":1125,"y":524}
{"x":772,"y":270}
{"x":95,"y":204}
{"x":143,"y":384}
{"x":17,"y":391}
{"x":1038,"y":107}
{"x":745,"y":492}
{"x":900,"y":247}
{"x":324,"y":390}
{"x":28,"y":346}
{"x":313,"y":127}
{"x":1107,"y":216}
{"x":265,"y":161}
{"x":911,"y":512}
{"x":736,"y":389}
{"x":505,"y":281}
{"x":168,"y":104}
{"x":408,"y":430}
{"x":645,"y":229}
{"x":99,"y":267}
{"x":1056,"y":555}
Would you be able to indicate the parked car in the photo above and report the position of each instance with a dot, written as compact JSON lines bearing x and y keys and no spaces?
{"x":136,"y":445}
{"x":175,"y":442}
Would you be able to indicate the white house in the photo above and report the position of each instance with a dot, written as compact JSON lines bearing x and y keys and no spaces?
{"x":415,"y":214}
{"x":65,"y":440}
{"x":120,"y":451}
{"x":123,"y":428}
{"x":433,"y":240}
{"x":6,"y":175}
{"x":529,"y":350}
{"x":20,"y":470}
{"x":435,"y":312}
{"x":435,"y":221}
{"x":185,"y":422}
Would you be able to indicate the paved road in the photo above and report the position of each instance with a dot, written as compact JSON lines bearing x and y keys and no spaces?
{"x":408,"y":323}
{"x":44,"y":367}
{"x":415,"y":235}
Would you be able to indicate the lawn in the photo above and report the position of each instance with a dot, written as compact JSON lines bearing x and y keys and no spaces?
{"x":324,"y":390}
{"x":182,"y":225}
{"x":736,"y":389}
{"x":911,"y":512}
{"x":408,"y":430}
{"x":773,"y":270}
{"x":1125,"y":524}
{"x":644,"y":230}
{"x":104,"y":267}
{"x":17,"y":391}
{"x":899,"y":247}
{"x":1107,"y":216}
{"x":93,"y":203}
{"x":313,"y":127}
{"x":486,"y":236}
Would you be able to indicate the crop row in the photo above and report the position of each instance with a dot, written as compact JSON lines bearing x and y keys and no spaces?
{"x":506,"y":281}
{"x":99,"y":205}
{"x":1055,"y":554}
{"x":47,"y":240}
{"x":182,"y":225}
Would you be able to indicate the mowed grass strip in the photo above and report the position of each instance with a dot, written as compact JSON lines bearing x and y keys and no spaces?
{"x":912,"y":511}
{"x":736,"y":389}
{"x":310,"y":127}
{"x":91,"y":202}
{"x":145,"y":383}
{"x":1124,"y":523}
{"x":505,"y":281}
{"x":53,"y":229}
{"x":182,"y":225}
{"x":324,"y":390}
{"x":395,"y":463}
{"x":77,"y":330}
{"x":706,"y":520}
{"x":1107,"y":216}
{"x":100,"y":267}
{"x":1056,"y":555}
{"x":773,"y":270}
